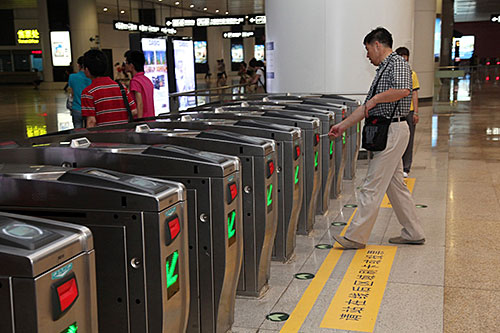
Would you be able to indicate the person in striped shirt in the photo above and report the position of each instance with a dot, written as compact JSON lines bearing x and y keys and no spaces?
{"x":102,"y":101}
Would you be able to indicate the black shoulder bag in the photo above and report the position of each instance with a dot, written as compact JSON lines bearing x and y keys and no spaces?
{"x":125,"y":101}
{"x":376,"y":128}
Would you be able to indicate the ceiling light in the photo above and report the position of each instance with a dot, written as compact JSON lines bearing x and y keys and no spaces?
{"x":246,"y":16}
{"x":216,"y":10}
{"x":191,"y":6}
{"x":160,"y":0}
{"x":227,"y":13}
{"x":177,"y":3}
{"x":105,"y":9}
{"x":205,"y":8}
{"x":122,"y":11}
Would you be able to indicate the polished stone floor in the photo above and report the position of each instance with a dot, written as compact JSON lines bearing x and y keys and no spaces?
{"x":450,"y":284}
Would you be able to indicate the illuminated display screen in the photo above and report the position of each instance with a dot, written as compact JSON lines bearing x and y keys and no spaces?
{"x":437,"y":38}
{"x":155,"y":68}
{"x":259,"y":52}
{"x":237,"y":53}
{"x":61,"y":48}
{"x":466,"y":47}
{"x":200,"y":52}
{"x":185,"y":78}
{"x":73,"y":328}
{"x":172,"y":270}
{"x":231,"y":227}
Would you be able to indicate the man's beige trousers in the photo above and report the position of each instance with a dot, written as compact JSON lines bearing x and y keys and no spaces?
{"x":385,"y":174}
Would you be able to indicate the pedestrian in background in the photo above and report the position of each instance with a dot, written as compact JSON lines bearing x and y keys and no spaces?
{"x":103,"y":102}
{"x":76,"y":83}
{"x":140,"y":85}
{"x":389,"y":96}
{"x":412,"y":118}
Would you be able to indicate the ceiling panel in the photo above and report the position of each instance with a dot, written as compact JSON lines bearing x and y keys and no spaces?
{"x":475,"y":10}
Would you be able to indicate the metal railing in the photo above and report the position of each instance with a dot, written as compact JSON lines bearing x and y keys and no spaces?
{"x":178,"y":101}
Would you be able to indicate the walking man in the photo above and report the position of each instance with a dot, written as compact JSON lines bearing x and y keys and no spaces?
{"x":389,"y":92}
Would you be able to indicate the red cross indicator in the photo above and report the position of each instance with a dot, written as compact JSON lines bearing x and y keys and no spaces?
{"x":232,"y":192}
{"x":64,"y":295}
{"x":270,"y":168}
{"x":316,"y":139}
{"x":173,"y":228}
{"x":297,"y":152}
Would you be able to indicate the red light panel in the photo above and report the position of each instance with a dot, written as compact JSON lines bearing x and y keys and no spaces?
{"x":67,"y":293}
{"x":174,"y":227}
{"x":487,"y":78}
{"x":270,"y":168}
{"x":297,"y":152}
{"x":316,"y":139}
{"x":233,"y":192}
{"x":36,"y":52}
{"x":488,"y":63}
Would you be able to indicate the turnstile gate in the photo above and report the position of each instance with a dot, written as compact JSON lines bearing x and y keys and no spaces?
{"x":259,"y":187}
{"x":47,"y":276}
{"x":213,"y":185}
{"x":138,"y":225}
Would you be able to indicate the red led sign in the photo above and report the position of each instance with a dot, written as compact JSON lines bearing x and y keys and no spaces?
{"x":270,"y":168}
{"x":233,"y":192}
{"x":297,"y":152}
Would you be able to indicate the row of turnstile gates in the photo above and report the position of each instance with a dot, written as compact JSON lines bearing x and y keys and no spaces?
{"x":161,"y":223}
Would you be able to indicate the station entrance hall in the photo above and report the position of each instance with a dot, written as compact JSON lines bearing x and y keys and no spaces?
{"x":249,"y":166}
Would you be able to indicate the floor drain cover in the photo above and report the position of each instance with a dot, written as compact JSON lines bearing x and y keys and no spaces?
{"x":304,"y":276}
{"x":336,"y":224}
{"x":277,"y":316}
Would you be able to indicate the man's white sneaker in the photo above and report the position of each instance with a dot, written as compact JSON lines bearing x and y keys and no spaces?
{"x":405,"y":174}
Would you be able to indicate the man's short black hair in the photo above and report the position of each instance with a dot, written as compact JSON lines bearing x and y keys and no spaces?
{"x":136,"y":58}
{"x":96,"y":62}
{"x":380,"y":35}
{"x":403,"y":51}
{"x":80,"y":61}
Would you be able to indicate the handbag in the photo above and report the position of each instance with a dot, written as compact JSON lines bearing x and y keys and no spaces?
{"x":376,"y":128}
{"x":69,"y":102}
{"x":125,"y":101}
{"x":375,"y":132}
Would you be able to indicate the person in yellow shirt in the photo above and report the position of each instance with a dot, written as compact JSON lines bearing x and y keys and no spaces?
{"x":412,"y":118}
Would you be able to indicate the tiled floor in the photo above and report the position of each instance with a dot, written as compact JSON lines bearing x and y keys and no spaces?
{"x":450,"y":284}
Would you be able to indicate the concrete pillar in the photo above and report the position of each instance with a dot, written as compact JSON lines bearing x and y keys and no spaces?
{"x":318,"y":44}
{"x":447,"y":21}
{"x":422,"y":57}
{"x":83,"y":26}
{"x":43,"y":28}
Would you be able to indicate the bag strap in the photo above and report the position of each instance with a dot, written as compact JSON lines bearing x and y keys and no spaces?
{"x":125,"y":101}
{"x":378,"y":79}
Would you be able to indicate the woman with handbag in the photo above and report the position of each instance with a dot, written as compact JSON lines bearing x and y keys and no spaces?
{"x":385,"y":133}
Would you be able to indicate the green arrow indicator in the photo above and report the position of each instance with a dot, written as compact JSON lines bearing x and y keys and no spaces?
{"x":343,"y":138}
{"x":277,"y":316}
{"x":357,"y":127}
{"x":336,"y":224}
{"x":323,"y":246}
{"x":350,"y":206}
{"x":331,"y":148}
{"x":231,"y":230}
{"x":316,"y":154}
{"x":304,"y":276}
{"x":73,"y":328}
{"x":297,"y":174}
{"x":270,"y":195}
{"x":421,"y":206}
{"x":171,"y":276}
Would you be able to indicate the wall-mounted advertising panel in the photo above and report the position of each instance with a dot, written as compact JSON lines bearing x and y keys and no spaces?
{"x":155,"y":68}
{"x":259,"y":52}
{"x":465,"y":45}
{"x":185,"y":78}
{"x":437,"y":38}
{"x":60,"y":45}
{"x":200,"y":52}
{"x":237,"y":54}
